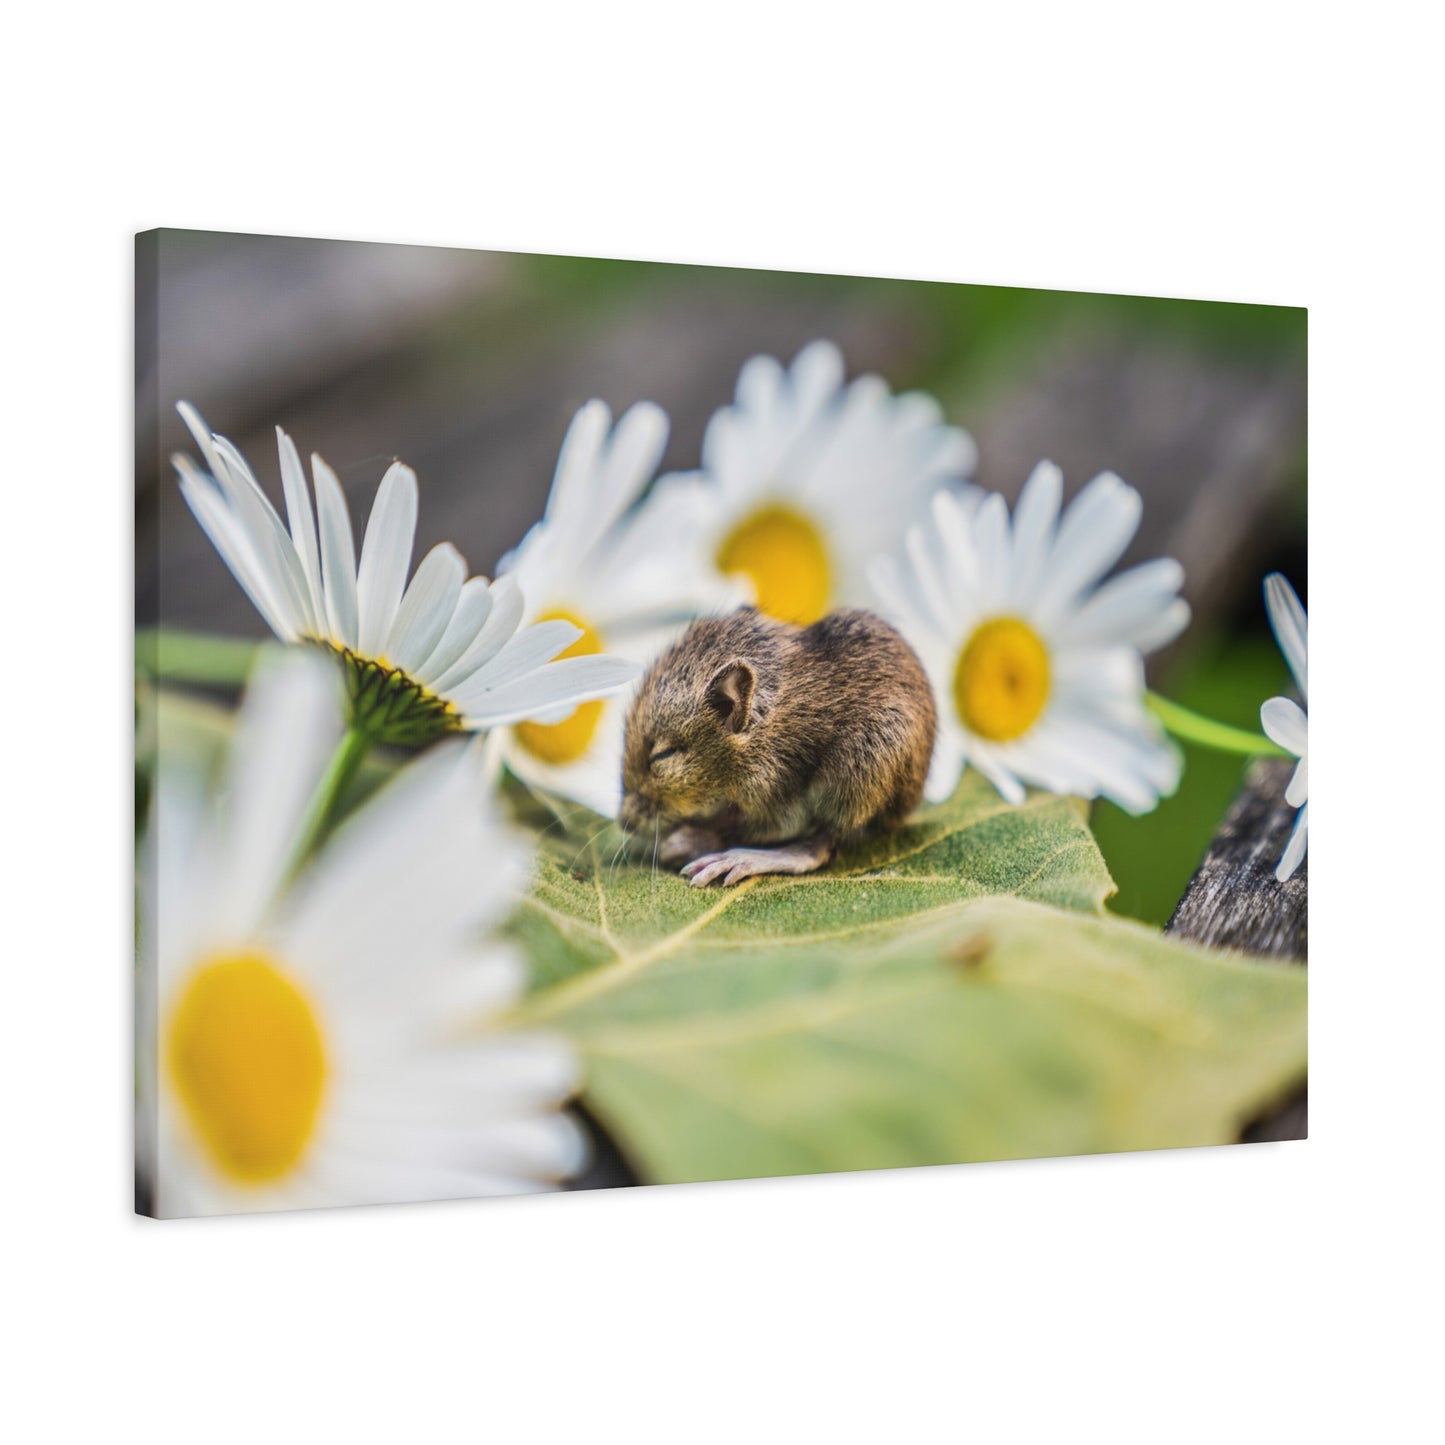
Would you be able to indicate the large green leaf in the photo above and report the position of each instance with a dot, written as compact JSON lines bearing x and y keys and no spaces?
{"x":951,"y":992}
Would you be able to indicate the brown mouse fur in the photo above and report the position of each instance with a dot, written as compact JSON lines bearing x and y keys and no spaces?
{"x":761,"y":747}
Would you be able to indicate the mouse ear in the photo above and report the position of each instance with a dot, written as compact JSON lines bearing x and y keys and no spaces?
{"x":730,"y":695}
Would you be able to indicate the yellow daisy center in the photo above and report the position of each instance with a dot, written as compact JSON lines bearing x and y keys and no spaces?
{"x":1001,"y":684}
{"x":568,"y":740}
{"x":784,"y":556}
{"x":245,"y":1054}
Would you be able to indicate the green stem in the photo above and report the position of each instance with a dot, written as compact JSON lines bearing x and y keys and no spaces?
{"x":1193,"y":727}
{"x":339,"y":772}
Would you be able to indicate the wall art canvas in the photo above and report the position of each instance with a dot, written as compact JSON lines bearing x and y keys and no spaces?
{"x":607,"y":722}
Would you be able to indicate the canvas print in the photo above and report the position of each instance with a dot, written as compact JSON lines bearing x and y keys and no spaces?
{"x":604,"y":723}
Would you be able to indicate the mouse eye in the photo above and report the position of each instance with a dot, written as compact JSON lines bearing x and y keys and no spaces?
{"x":659,"y":755}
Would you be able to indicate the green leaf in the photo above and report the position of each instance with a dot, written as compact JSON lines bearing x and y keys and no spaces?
{"x":951,"y":992}
{"x":172,"y":655}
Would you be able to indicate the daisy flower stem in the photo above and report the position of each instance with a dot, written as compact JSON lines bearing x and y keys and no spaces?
{"x":1193,"y":727}
{"x":353,"y":747}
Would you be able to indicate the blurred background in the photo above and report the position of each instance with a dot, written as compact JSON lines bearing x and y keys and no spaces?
{"x":468,"y":365}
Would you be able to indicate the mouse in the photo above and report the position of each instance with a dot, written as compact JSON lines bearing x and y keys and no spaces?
{"x":754,"y":746}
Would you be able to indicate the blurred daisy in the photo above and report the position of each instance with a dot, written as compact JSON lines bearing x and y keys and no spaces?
{"x":1285,"y":721}
{"x":1037,"y":668}
{"x":326,"y":1043}
{"x":422,"y":658}
{"x":625,"y":577}
{"x":805,"y":479}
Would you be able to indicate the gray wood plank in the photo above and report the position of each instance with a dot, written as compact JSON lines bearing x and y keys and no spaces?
{"x":1234,"y":901}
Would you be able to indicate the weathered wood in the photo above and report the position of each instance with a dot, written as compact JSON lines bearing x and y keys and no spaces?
{"x":1235,"y":901}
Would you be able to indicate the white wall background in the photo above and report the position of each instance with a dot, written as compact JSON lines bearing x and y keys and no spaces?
{"x":1240,"y":152}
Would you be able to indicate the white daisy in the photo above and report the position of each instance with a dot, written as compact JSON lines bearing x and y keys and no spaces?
{"x":1285,"y":721}
{"x":326,"y":1042}
{"x":425,"y":657}
{"x":1037,"y":669}
{"x":804,"y":479}
{"x":625,"y":576}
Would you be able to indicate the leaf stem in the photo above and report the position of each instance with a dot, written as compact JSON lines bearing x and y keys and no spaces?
{"x":1194,"y":727}
{"x":353,"y":747}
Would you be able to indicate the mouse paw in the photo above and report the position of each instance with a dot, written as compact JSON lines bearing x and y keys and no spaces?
{"x":735,"y":864}
{"x":711,"y":867}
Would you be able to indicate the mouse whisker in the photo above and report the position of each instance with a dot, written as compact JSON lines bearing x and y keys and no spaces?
{"x":616,"y":854}
{"x":589,"y":843}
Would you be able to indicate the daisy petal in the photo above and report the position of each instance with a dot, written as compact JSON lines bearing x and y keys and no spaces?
{"x":575,"y":679}
{"x":633,"y":452}
{"x":990,"y":530}
{"x":526,"y":651}
{"x":303,"y":528}
{"x":385,"y":557}
{"x":946,"y":768}
{"x":1167,"y":625}
{"x":522,"y":1071}
{"x":235,"y":546}
{"x":1035,"y":518}
{"x":290,"y":723}
{"x":1129,"y":606}
{"x":577,"y":461}
{"x":958,"y":555}
{"x":338,"y":554}
{"x":1294,"y":853}
{"x":411,"y":875}
{"x":760,"y":385}
{"x":273,"y":543}
{"x":426,"y":607}
{"x":1291,"y":627}
{"x":473,"y":606}
{"x":498,"y":627}
{"x":991,"y":764}
{"x":1130,"y":767}
{"x":892,"y":581}
{"x":548,"y":1146}
{"x":201,"y":434}
{"x":1298,"y":792}
{"x":1285,"y":723}
{"x":1093,"y":533}
{"x":817,"y":373}
{"x":926,"y":581}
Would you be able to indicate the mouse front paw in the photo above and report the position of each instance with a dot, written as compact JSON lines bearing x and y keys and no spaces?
{"x":728,"y":867}
{"x":735,"y":864}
